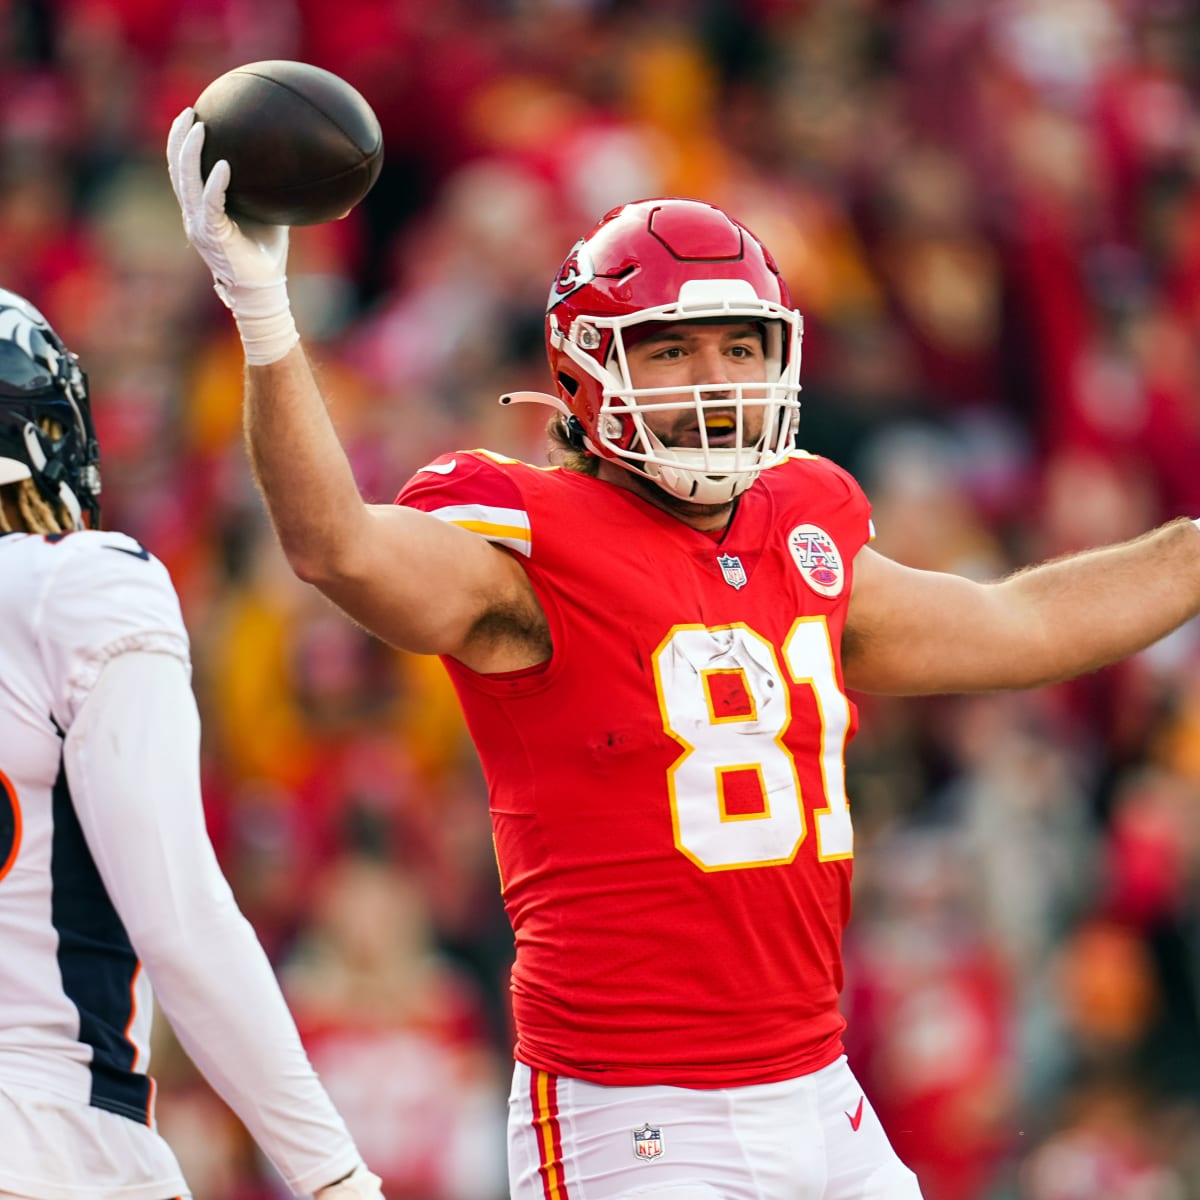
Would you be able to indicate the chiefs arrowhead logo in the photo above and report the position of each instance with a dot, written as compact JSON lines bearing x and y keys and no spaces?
{"x":575,"y":273}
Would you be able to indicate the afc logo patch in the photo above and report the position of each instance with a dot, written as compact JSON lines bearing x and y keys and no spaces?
{"x":647,"y":1142}
{"x":817,"y":559}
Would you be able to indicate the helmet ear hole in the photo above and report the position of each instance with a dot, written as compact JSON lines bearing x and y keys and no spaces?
{"x":568,"y":383}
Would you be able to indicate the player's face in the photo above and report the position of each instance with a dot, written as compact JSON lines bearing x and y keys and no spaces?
{"x":688,"y":354}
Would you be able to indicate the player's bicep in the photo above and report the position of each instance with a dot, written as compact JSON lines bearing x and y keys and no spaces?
{"x":912,"y":632}
{"x":426,"y":584}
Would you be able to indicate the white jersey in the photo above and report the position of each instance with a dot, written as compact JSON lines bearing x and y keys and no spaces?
{"x":108,"y":882}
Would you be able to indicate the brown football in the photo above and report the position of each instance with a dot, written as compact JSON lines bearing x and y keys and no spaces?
{"x":303,"y":146}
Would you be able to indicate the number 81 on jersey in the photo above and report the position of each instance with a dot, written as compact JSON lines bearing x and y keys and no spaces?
{"x":735,"y":793}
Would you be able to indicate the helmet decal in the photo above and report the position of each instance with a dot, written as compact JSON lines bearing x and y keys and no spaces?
{"x":19,"y":320}
{"x":576,"y":272}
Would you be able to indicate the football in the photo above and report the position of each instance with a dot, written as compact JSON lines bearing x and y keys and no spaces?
{"x":303,"y":146}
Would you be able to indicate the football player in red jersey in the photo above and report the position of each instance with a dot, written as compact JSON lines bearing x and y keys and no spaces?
{"x":652,"y":643}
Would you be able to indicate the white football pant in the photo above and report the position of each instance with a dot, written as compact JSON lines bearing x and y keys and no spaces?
{"x":812,"y":1138}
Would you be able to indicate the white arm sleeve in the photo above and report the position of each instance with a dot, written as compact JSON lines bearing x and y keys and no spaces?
{"x":132,"y":763}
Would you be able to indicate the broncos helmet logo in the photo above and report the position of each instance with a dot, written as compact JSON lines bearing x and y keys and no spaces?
{"x":26,"y":328}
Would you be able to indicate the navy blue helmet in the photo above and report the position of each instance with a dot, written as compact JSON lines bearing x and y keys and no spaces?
{"x":46,"y":432}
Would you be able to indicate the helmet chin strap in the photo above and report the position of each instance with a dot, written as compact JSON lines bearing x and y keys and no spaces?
{"x":67,"y":499}
{"x":690,"y":476}
{"x":39,"y":462}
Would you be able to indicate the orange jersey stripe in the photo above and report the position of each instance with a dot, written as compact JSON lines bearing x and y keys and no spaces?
{"x":133,"y":1014}
{"x":7,"y":790}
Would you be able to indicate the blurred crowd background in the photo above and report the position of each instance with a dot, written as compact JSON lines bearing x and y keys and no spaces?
{"x":989,"y":212}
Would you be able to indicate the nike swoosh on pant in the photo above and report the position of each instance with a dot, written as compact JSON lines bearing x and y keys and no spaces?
{"x":856,"y":1120}
{"x":439,"y":468}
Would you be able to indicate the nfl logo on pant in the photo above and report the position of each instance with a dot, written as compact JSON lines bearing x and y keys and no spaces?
{"x":647,"y":1142}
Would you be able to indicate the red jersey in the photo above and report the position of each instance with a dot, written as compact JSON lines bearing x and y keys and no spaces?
{"x":668,"y":791}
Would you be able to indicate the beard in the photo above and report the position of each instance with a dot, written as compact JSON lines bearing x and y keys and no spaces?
{"x":701,"y":516}
{"x":683,"y":434}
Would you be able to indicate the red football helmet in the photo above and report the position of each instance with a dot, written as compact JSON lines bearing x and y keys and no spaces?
{"x":671,"y":260}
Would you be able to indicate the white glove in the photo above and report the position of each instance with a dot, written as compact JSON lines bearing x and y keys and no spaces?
{"x":360,"y":1184}
{"x":248,"y":262}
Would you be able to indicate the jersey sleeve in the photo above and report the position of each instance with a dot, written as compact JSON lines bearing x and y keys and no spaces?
{"x":107,"y":596}
{"x":131,"y":763}
{"x":854,"y":504}
{"x":475,"y":491}
{"x":857,"y":500}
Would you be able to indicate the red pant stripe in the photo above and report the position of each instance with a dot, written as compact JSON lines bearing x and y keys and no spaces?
{"x":543,"y":1090}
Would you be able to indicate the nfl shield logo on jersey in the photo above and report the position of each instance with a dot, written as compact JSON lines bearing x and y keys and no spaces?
{"x":732,"y":569}
{"x":647,"y":1142}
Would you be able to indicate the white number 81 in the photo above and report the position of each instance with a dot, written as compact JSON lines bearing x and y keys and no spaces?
{"x":724,"y":699}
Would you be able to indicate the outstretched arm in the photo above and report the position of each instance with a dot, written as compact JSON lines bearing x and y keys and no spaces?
{"x":921,"y":632}
{"x":415,"y":581}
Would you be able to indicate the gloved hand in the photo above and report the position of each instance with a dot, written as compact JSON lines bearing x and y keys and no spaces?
{"x":248,"y":261}
{"x":360,"y":1184}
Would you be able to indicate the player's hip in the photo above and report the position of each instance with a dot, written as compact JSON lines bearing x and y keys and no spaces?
{"x":813,"y":1137}
{"x":110,"y":1157}
{"x":679,"y":1035}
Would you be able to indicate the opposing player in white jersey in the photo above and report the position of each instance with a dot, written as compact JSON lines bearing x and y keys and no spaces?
{"x":108,"y":882}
